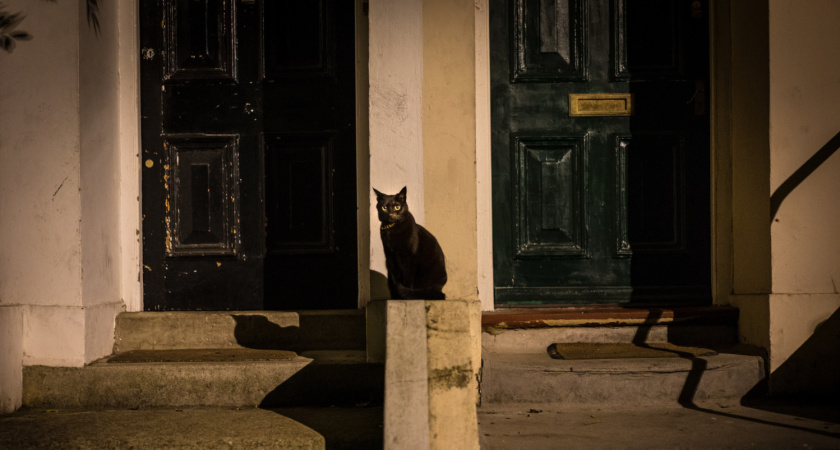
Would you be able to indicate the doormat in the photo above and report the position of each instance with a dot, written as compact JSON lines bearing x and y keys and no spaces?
{"x":201,"y":355}
{"x":616,"y":351}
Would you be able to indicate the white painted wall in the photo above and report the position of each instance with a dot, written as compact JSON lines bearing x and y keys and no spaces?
{"x":60,"y":183}
{"x":40,"y":182}
{"x":804,"y":94}
{"x":40,"y":203}
{"x":396,"y":138}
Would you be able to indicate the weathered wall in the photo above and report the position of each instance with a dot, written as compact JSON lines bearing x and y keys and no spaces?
{"x":804,"y":94}
{"x":396,"y":133}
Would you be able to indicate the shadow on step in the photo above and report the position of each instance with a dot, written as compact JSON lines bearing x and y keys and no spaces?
{"x":331,"y":379}
{"x":337,"y":376}
{"x":757,"y":397}
{"x":338,"y":394}
{"x":341,"y":427}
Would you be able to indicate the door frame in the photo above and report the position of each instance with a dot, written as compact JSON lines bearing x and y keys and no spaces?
{"x":131,"y":201}
{"x":720,"y":153}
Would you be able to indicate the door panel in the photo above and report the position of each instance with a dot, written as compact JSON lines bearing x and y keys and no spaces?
{"x":249,"y":154}
{"x":601,"y":207}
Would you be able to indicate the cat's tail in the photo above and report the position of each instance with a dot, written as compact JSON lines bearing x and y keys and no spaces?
{"x":420,"y":294}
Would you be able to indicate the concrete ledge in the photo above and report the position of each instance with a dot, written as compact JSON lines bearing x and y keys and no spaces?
{"x":429,"y":378}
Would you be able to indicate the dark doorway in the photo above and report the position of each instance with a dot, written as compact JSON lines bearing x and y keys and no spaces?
{"x":600,"y":151}
{"x":248,"y":138}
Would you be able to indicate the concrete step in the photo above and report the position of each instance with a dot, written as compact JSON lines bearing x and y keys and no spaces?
{"x":317,"y":377}
{"x":533,"y":330}
{"x":674,"y":427}
{"x":537,"y":379}
{"x":282,"y":330}
{"x":199,"y":428}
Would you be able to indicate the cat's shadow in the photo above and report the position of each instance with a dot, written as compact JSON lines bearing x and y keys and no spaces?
{"x":256,"y":331}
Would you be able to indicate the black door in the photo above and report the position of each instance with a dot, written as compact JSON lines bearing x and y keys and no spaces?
{"x":248,"y":138}
{"x":600,"y":151}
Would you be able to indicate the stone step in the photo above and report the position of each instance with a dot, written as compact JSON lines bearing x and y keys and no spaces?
{"x":156,"y":428}
{"x":533,"y":330}
{"x":317,"y":377}
{"x":199,"y":428}
{"x":283,"y":330}
{"x":537,"y":379}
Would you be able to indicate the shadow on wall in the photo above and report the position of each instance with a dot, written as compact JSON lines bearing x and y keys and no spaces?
{"x":801,"y":174}
{"x":814,"y":369}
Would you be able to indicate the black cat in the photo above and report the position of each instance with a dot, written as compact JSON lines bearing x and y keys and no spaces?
{"x":416,"y":268}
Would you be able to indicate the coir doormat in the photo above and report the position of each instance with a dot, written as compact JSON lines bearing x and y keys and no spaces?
{"x":201,"y":355}
{"x":616,"y":351}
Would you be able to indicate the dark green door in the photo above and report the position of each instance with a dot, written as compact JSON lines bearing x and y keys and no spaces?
{"x":248,"y":137}
{"x":600,"y":151}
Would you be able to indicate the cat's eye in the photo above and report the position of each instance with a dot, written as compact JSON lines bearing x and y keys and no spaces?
{"x":397,"y":207}
{"x":384,"y":208}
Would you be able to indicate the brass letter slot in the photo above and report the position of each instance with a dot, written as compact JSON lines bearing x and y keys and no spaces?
{"x":600,"y":104}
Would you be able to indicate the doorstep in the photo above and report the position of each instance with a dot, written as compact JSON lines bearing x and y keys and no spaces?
{"x":521,"y":318}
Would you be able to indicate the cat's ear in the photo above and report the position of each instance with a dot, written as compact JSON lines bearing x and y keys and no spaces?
{"x":402,"y":194}
{"x":379,"y":195}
